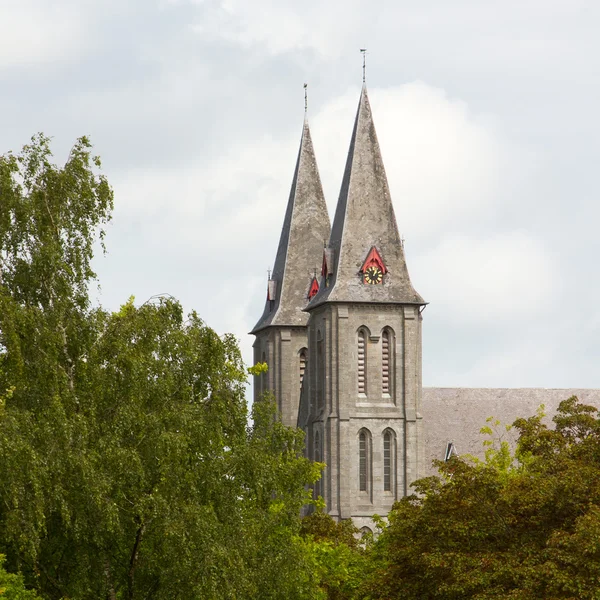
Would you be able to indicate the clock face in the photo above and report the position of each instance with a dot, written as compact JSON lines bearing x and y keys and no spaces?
{"x":373,"y":275}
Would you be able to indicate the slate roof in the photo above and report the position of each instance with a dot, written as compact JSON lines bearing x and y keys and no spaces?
{"x":457,"y":414}
{"x":305,"y":228}
{"x":364,"y":218}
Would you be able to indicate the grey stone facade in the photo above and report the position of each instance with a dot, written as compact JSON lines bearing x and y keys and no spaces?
{"x":346,"y":365}
{"x":334,"y":412}
{"x":280,"y":347}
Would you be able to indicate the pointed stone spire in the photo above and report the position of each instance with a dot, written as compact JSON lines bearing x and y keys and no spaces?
{"x":364,"y":219}
{"x":305,"y":226}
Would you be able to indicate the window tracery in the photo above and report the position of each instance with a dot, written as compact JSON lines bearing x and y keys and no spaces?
{"x":364,"y":461}
{"x":389,"y":457}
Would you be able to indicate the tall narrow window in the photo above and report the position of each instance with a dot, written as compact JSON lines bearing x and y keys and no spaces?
{"x":362,"y":362}
{"x":362,"y":461}
{"x":302,"y":365}
{"x":320,"y":372}
{"x":387,"y":461}
{"x":317,"y":459}
{"x":385,"y":362}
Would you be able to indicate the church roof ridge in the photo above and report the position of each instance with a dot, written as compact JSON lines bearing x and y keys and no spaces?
{"x":306,"y":225}
{"x":364,"y":218}
{"x":510,"y":389}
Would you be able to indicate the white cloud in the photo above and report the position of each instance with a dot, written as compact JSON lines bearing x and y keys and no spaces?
{"x":520,"y":362}
{"x":33,"y":32}
{"x":503,"y":278}
{"x":278,"y":26}
{"x":240,"y":195}
{"x":443,"y":163}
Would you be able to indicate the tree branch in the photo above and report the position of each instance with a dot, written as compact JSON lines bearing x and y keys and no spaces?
{"x":133,"y":559}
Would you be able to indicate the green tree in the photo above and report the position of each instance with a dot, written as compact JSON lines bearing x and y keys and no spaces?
{"x":49,"y":219}
{"x":339,"y":556}
{"x":525,"y":527}
{"x":127,"y":468}
{"x":12,"y":587}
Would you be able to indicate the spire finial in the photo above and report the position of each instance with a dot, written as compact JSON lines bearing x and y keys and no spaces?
{"x":269,"y":273}
{"x":305,"y":98}
{"x":363,"y":51}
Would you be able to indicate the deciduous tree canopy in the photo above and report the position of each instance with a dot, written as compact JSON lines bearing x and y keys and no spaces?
{"x":127,"y":469}
{"x":524,"y":526}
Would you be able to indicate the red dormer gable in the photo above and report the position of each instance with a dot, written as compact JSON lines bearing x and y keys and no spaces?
{"x":374,"y":258}
{"x":314,"y":288}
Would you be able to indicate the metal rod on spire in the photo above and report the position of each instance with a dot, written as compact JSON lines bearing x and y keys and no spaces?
{"x":269,"y":273}
{"x":364,"y":55}
{"x":305,"y":98}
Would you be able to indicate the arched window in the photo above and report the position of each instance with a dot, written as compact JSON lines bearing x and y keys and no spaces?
{"x":385,"y":362}
{"x":365,"y":531}
{"x":302,"y":365}
{"x":317,"y":455}
{"x":364,"y":461}
{"x":389,"y":459}
{"x":362,"y":362}
{"x":320,"y":371}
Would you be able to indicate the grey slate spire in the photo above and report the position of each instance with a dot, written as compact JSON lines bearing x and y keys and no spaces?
{"x":306,"y":226}
{"x":364,"y":218}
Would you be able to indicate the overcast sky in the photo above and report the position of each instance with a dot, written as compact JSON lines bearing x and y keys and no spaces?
{"x":487,"y":116}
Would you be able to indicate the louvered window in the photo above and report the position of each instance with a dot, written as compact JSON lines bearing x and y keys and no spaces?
{"x":362,"y":363}
{"x":387,"y":461}
{"x":385,"y":362}
{"x":362,"y":461}
{"x":302,"y":365}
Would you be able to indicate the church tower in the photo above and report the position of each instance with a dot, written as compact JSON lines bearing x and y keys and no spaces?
{"x":281,"y":332}
{"x":361,"y":398}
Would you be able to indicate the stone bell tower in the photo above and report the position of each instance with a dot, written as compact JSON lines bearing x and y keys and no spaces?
{"x":360,"y":404}
{"x":281,"y":332}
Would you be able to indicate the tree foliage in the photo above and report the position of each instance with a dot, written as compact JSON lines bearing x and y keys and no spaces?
{"x":127,"y":468}
{"x":12,"y":586}
{"x":339,"y":557}
{"x":524,"y":528}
